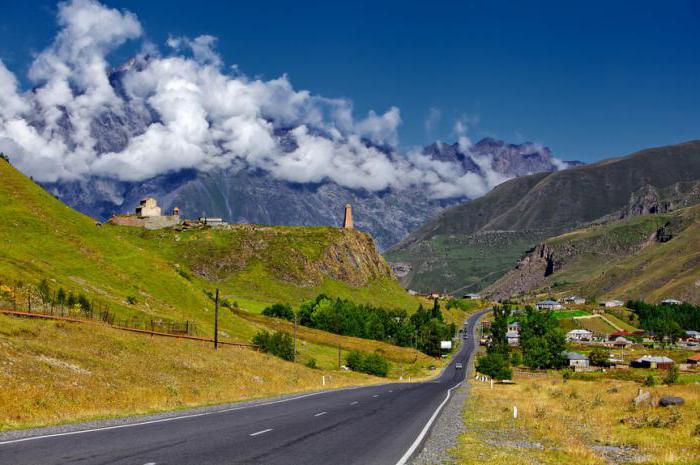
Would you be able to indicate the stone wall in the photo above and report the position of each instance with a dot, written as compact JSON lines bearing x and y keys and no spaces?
{"x":152,"y":222}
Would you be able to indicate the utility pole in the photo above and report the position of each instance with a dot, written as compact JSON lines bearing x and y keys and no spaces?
{"x":216,"y":321}
{"x":295,"y":337}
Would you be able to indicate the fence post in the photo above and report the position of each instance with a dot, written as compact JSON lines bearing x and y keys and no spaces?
{"x":295,"y":337}
{"x":216,"y":320}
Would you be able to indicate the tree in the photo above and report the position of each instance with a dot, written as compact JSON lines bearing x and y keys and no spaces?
{"x":599,"y":357}
{"x":437,"y":312}
{"x":516,"y":358}
{"x":44,"y":291}
{"x":494,"y":365}
{"x":373,"y":364}
{"x":499,"y":328}
{"x":61,"y":296}
{"x":279,"y":344}
{"x":283,"y":311}
{"x":541,"y":340}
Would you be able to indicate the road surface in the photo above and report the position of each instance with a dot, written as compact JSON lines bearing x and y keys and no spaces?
{"x":376,"y":425}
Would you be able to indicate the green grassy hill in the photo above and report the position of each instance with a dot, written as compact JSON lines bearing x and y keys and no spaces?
{"x":650,"y":257}
{"x":141,"y":275}
{"x":470,"y":246}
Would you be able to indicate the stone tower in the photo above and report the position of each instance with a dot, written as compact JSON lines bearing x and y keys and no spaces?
{"x":347,"y":223}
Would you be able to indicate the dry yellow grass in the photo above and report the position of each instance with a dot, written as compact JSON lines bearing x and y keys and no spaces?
{"x":56,"y":372}
{"x":578,"y":422}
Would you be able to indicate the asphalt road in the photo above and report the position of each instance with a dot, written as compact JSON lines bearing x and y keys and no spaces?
{"x":364,"y":426}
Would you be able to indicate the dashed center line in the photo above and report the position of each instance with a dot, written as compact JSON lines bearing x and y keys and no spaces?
{"x":391,"y":391}
{"x":319,"y":414}
{"x":261,"y":432}
{"x":354,"y":403}
{"x":376,"y":395}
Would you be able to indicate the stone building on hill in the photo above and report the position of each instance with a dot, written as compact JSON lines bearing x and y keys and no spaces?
{"x":148,"y":215}
{"x":347,"y":221}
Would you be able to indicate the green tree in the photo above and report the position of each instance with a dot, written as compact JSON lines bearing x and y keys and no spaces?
{"x":499,"y":328}
{"x":283,"y":311}
{"x":599,"y":357}
{"x":44,"y":291}
{"x":541,"y":340}
{"x":672,"y":375}
{"x":495,"y":365}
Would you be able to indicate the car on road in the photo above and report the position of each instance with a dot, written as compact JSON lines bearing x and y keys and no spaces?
{"x":458,"y":366}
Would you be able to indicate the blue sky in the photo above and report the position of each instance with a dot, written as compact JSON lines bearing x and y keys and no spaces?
{"x":588,"y":79}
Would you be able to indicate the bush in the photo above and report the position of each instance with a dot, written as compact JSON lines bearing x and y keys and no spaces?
{"x":283,"y":311}
{"x":373,"y":364}
{"x":279,"y":344}
{"x":516,"y":358}
{"x":131,"y":300}
{"x":494,"y":365}
{"x":599,"y":357}
{"x":650,"y":381}
{"x":672,"y":375}
{"x":311,"y":363}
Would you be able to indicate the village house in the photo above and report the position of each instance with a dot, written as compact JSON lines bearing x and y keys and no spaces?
{"x":671,"y":302}
{"x":576,"y":360}
{"x":514,"y":326}
{"x":472,"y":296}
{"x":576,"y":300}
{"x":612,"y":303}
{"x":548,"y":305}
{"x":513,"y":338}
{"x":649,"y":361}
{"x":692,"y":335}
{"x":212,"y":221}
{"x":694,"y":360}
{"x":579,"y":335}
{"x":621,"y":342}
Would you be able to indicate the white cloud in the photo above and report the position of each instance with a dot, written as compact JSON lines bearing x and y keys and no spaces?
{"x":204,"y":118}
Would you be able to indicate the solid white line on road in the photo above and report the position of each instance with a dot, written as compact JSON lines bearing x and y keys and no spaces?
{"x":261,"y":432}
{"x":403,"y":460}
{"x":354,"y":403}
{"x":162,"y":420}
{"x":319,"y":414}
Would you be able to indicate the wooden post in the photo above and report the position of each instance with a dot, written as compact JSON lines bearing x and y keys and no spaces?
{"x":339,"y":359}
{"x":295,"y":337}
{"x":29,"y":300}
{"x":216,"y":321}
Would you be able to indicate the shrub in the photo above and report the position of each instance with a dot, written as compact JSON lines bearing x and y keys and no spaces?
{"x":373,"y":364}
{"x":494,"y":365}
{"x":650,"y":381}
{"x":311,"y":363}
{"x":672,"y":375}
{"x":279,"y":344}
{"x":283,"y":311}
{"x":131,"y":300}
{"x":599,"y":357}
{"x":516,"y":358}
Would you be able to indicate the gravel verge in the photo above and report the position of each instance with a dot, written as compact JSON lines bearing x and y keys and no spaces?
{"x":444,"y":435}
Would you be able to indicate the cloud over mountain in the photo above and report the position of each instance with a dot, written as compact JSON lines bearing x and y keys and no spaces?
{"x":197,"y":115}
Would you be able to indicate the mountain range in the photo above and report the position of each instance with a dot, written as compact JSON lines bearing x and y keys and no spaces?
{"x":470,"y":246}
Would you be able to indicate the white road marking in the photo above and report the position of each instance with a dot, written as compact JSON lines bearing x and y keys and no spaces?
{"x":163,"y":420}
{"x":261,"y":432}
{"x":319,"y":414}
{"x":354,"y":403}
{"x":150,"y":463}
{"x":376,"y":395}
{"x":391,"y":390}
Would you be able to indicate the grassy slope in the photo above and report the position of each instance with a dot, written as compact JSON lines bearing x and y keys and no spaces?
{"x":610,"y":265}
{"x":569,"y":422}
{"x":42,"y":238}
{"x":533,"y":207}
{"x":56,"y":372}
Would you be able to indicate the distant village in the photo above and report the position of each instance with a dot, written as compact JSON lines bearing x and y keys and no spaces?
{"x":626,"y":348}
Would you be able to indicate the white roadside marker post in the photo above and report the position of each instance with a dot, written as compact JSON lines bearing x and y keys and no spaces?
{"x":515,"y":412}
